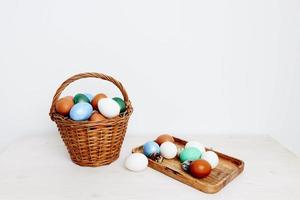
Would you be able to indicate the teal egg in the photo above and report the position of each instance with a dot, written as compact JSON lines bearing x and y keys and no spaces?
{"x":190,"y":153}
{"x":81,"y":98}
{"x":121,"y":103}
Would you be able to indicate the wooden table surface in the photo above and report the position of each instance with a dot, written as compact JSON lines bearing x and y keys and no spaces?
{"x":38,"y":167}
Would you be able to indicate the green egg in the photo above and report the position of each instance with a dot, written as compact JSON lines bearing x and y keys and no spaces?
{"x":121,"y":103}
{"x":190,"y":153}
{"x":81,"y":98}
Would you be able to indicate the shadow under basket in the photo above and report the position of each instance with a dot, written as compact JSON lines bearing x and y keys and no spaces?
{"x":92,"y":143}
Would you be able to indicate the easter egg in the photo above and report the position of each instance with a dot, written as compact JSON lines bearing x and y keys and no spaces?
{"x":96,"y":116}
{"x":89,"y":96}
{"x":168,"y":150}
{"x":96,"y":99}
{"x":81,"y":111}
{"x":70,"y":97}
{"x":190,"y":153}
{"x":157,"y":157}
{"x":80,"y":98}
{"x":108,"y":107}
{"x":186,"y":165}
{"x":179,"y":150}
{"x":64,"y":105}
{"x":200,"y":168}
{"x":151,"y":148}
{"x":164,"y":138}
{"x":121,"y":103}
{"x":196,"y":144}
{"x":211,"y":157}
{"x":136,"y":162}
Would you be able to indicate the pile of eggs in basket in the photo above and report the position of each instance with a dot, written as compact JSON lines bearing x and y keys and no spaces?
{"x":83,"y":107}
{"x":193,"y":157}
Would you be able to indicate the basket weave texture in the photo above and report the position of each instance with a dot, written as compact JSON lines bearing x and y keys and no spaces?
{"x":92,"y":143}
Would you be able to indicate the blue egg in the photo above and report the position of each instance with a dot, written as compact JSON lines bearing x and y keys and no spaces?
{"x":81,"y":111}
{"x":89,"y":96}
{"x":151,"y":148}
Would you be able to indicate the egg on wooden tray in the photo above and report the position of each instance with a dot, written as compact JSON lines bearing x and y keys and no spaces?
{"x":200,"y":168}
{"x":197,"y":145}
{"x":211,"y":157}
{"x":196,"y":161}
{"x":164,"y":138}
{"x":85,"y":106}
{"x":151,"y":148}
{"x":193,"y":157}
{"x":189,"y":153}
{"x":168,"y":150}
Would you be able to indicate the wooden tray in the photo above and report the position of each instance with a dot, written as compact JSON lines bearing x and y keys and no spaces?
{"x":227,"y":169}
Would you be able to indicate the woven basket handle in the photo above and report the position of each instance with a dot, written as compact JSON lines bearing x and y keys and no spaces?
{"x":87,"y":75}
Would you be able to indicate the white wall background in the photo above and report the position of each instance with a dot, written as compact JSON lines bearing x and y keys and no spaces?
{"x":219,"y":66}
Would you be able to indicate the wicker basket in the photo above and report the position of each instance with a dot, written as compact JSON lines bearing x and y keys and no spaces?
{"x":92,"y":143}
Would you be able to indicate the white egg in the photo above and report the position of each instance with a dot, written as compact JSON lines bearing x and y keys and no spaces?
{"x":108,"y":107}
{"x":197,"y":145}
{"x":211,"y":157}
{"x":179,"y":150}
{"x":168,"y":150}
{"x":136,"y":162}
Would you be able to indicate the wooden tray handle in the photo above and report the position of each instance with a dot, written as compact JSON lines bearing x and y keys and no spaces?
{"x":87,"y":75}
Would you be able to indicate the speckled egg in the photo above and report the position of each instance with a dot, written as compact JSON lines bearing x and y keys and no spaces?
{"x":150,"y":148}
{"x":186,"y":165}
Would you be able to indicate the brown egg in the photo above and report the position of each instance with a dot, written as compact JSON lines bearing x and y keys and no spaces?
{"x":64,"y":105}
{"x":96,"y":116}
{"x":200,"y":168}
{"x":164,"y":138}
{"x":96,"y":98}
{"x":70,"y":97}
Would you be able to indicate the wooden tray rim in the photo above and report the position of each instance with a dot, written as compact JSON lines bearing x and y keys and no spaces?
{"x":213,"y":188}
